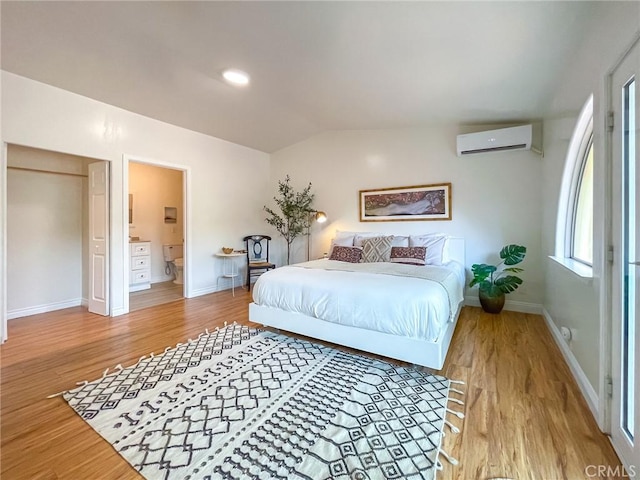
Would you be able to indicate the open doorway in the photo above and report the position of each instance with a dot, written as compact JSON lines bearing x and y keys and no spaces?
{"x":156,"y":212}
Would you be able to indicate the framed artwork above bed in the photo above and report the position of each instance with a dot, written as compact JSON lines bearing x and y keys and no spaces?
{"x":419,"y":202}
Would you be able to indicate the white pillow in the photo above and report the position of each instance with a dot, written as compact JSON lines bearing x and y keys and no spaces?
{"x":343,"y":239}
{"x":435,"y":247}
{"x":400,"y":241}
{"x":360,"y":237}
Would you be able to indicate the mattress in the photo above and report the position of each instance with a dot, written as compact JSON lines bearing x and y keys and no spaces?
{"x":406,"y":300}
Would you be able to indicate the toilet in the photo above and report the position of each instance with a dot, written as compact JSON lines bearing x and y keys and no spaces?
{"x":173,"y":256}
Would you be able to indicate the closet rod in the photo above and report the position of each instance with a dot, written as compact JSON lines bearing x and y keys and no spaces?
{"x":46,"y":171}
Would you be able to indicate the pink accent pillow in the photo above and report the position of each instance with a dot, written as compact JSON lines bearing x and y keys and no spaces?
{"x":408,"y":255}
{"x":346,"y":254}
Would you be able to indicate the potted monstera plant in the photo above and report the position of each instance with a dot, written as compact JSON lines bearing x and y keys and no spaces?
{"x":495,"y":281}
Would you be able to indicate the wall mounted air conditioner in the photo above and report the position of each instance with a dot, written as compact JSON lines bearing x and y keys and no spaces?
{"x":512,"y":138}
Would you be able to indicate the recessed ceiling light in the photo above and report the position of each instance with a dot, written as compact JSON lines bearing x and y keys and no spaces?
{"x":236,"y":77}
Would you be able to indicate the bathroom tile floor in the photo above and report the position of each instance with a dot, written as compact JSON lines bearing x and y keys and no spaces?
{"x":158,"y":294}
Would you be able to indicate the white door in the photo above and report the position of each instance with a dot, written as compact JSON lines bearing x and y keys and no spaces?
{"x":99,"y":238}
{"x":3,"y":242}
{"x":625,"y":411}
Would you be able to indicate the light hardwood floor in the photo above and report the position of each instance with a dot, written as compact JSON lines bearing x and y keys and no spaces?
{"x":158,"y":294}
{"x":525,"y":418}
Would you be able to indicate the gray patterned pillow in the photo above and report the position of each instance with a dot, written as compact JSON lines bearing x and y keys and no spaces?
{"x":377,"y":249}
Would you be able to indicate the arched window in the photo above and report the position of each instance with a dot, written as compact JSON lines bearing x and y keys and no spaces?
{"x":574,"y":228}
{"x":581,"y":233}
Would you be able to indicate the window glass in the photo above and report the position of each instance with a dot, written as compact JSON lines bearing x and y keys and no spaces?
{"x":582,"y":229}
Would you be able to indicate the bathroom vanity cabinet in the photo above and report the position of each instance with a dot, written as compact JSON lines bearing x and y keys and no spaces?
{"x":140,"y":266}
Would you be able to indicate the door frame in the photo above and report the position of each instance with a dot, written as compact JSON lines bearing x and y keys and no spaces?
{"x":606,"y":290}
{"x":607,"y":339}
{"x":186,"y":228}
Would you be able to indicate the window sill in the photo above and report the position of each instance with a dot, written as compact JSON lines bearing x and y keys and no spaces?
{"x":577,"y":268}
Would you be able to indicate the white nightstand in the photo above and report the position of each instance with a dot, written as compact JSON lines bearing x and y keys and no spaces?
{"x":230,"y":268}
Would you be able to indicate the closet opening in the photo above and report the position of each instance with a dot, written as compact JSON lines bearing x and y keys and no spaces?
{"x":48,"y":264}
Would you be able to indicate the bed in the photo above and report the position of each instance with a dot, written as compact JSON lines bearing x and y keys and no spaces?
{"x":405,"y":312}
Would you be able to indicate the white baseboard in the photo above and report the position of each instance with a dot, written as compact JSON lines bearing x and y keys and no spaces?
{"x":49,"y":307}
{"x":202,"y":291}
{"x":511,"y":305}
{"x":217,"y":288}
{"x":162,"y":279}
{"x":588,"y":392}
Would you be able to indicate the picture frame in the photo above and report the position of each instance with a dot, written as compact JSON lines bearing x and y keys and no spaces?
{"x":418,"y":202}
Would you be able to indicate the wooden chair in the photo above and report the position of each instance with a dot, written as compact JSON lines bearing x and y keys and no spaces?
{"x":257,"y":256}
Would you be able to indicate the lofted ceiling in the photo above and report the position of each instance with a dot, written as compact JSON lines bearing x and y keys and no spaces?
{"x":314,"y":66}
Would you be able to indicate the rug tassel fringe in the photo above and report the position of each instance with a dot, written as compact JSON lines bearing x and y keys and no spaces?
{"x":455,"y":400}
{"x":459,"y":382}
{"x":453,"y":428}
{"x":457,"y":414}
{"x":119,"y":367}
{"x":449,"y":458}
{"x":57,"y":394}
{"x":456,"y":391}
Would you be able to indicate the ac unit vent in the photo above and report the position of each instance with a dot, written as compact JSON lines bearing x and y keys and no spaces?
{"x":521,"y":146}
{"x":503,"y":139}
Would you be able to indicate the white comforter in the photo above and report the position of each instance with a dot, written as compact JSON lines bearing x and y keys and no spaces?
{"x":405,"y":300}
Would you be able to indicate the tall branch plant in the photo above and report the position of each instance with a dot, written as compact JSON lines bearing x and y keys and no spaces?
{"x":295,"y":209}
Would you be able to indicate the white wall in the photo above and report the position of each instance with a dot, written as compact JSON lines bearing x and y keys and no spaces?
{"x":570,"y":300}
{"x":496,"y":197}
{"x":46,"y":241}
{"x":227,"y":180}
{"x":154,"y":188}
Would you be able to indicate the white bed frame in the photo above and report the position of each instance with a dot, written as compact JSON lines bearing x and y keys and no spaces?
{"x":419,"y":352}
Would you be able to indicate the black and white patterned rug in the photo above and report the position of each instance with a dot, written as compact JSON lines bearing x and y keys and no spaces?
{"x":241,"y":403}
